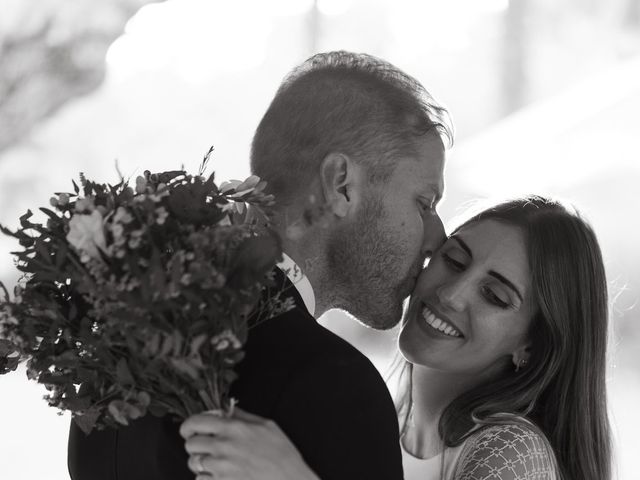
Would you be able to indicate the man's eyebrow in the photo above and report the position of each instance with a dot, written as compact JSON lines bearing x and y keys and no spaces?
{"x":433,"y":193}
{"x":493,"y":273}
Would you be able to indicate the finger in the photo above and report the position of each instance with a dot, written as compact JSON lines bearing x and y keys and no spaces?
{"x":196,"y":464}
{"x":203,"y":423}
{"x":206,"y":444}
{"x":204,"y":465}
{"x":217,"y":470}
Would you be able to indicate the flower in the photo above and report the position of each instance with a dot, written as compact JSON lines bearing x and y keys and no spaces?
{"x":86,"y":234}
{"x":141,"y":184}
{"x":117,"y":230}
{"x":162,"y":214}
{"x":226,"y":339}
{"x":122,"y":216}
{"x":85,"y":205}
{"x":136,"y":238}
{"x":168,"y":312}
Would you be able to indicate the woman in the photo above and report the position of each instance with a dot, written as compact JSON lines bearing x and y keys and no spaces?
{"x":504,"y":352}
{"x":505,"y":345}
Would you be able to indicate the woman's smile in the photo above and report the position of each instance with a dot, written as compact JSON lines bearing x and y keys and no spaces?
{"x":438,"y":323}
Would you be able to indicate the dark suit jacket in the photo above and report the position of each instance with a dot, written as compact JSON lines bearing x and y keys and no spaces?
{"x":322,"y":392}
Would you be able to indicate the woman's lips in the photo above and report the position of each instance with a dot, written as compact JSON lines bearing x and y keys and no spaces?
{"x":435,"y":322}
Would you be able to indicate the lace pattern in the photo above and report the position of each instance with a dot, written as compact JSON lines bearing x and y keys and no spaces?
{"x":507,"y":452}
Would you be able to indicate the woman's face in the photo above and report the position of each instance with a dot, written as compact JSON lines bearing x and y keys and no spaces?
{"x":471,"y":307}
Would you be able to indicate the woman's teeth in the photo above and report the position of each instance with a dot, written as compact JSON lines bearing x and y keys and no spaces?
{"x":439,"y":324}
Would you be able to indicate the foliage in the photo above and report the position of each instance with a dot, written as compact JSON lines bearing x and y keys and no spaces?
{"x":138,"y":300}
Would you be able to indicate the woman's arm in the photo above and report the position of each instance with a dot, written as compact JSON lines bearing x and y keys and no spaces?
{"x":245,"y":447}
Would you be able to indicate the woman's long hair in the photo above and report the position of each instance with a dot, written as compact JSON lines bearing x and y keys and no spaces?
{"x":562,"y":390}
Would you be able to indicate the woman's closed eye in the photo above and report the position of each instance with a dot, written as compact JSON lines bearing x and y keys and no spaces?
{"x":493,"y":298}
{"x":454,"y":263}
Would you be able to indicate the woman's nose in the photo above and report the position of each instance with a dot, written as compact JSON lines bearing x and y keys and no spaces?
{"x":452,"y":295}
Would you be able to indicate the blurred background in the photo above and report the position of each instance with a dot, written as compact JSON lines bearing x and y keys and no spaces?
{"x":544,"y":94}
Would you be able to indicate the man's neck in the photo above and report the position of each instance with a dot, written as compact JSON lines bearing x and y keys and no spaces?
{"x":305,"y":243}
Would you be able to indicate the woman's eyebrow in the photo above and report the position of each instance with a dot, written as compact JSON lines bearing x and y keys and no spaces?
{"x":493,"y":273}
{"x":462,"y":244}
{"x":505,"y":281}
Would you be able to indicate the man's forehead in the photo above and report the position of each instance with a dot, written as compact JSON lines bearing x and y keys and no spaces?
{"x":430,"y":175}
{"x":424,"y":169}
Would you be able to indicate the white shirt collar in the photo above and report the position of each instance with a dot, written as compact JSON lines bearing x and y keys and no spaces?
{"x":300,"y":281}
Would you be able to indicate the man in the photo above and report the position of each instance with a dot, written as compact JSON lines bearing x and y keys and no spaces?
{"x":352,"y":148}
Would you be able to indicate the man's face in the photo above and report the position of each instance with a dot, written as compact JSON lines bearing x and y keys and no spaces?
{"x":375,"y":258}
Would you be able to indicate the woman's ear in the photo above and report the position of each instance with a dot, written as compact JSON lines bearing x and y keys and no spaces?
{"x":340,"y":181}
{"x":521,"y":356}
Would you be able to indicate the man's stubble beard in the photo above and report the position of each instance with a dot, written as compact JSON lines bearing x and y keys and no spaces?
{"x":363,"y":274}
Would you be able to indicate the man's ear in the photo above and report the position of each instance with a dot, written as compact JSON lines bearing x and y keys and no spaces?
{"x":340,"y":180}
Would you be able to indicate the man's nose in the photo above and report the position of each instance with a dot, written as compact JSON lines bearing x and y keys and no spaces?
{"x":434,"y":235}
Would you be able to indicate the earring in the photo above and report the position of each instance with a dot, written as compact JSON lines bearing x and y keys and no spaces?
{"x":521,"y":364}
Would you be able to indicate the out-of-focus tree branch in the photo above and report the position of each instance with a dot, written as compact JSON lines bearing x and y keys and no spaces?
{"x":52,"y":51}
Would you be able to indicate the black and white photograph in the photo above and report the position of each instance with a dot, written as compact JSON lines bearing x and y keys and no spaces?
{"x":319,"y":239}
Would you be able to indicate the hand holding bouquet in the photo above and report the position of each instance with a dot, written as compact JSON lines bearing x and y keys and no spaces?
{"x":137,"y":299}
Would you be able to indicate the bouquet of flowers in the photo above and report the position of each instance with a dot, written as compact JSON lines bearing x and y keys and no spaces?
{"x":138,"y":299}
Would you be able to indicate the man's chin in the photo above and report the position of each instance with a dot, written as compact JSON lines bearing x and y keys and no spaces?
{"x":377,"y":320}
{"x":409,"y":285}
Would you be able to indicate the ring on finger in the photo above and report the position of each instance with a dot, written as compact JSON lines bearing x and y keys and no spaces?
{"x":197,"y":460}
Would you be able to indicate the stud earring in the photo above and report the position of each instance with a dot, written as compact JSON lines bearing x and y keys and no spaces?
{"x":521,"y":364}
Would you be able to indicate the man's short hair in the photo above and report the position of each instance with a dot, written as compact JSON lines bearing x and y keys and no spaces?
{"x":342,"y":102}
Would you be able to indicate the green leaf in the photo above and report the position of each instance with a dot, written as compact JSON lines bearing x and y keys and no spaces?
{"x":178,"y":341}
{"x":123,"y":374}
{"x":196,"y":343}
{"x":119,"y":410}
{"x":255,"y":257}
{"x":75,"y":403}
{"x":87,"y":375}
{"x":144,"y":399}
{"x":53,"y":378}
{"x":167,"y":346}
{"x":26,"y":217}
{"x":152,"y":346}
{"x":8,"y":232}
{"x":185,"y":367}
{"x":87,"y":420}
{"x":6,"y":292}
{"x":9,"y":356}
{"x":61,"y":256}
{"x":50,"y":213}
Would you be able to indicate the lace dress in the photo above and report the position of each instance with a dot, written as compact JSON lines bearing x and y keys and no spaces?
{"x":499,"y":452}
